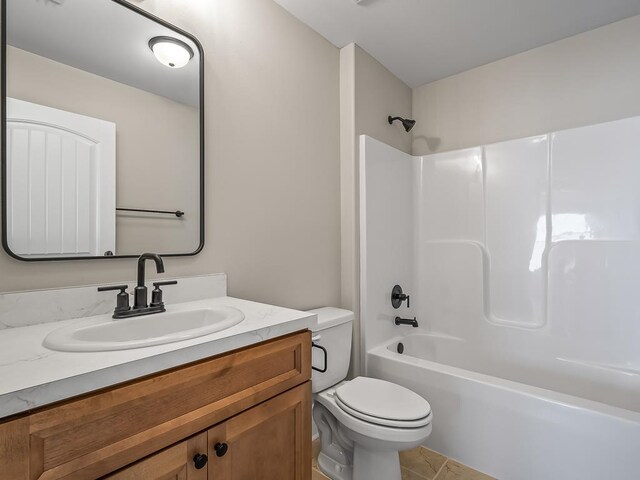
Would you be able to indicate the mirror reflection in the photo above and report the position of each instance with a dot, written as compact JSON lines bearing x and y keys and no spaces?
{"x":103,"y":132}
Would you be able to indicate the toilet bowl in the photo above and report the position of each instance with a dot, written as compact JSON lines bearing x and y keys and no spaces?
{"x":364,"y":422}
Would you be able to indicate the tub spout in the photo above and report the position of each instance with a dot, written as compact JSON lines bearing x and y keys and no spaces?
{"x":407,"y":321}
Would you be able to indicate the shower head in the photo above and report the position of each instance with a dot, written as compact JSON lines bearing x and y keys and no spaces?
{"x":406,"y":123}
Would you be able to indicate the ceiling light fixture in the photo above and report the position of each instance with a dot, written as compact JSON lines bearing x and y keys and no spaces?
{"x":170,"y":51}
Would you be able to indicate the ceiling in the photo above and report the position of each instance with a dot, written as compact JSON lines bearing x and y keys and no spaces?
{"x":421,"y":41}
{"x":104,"y":38}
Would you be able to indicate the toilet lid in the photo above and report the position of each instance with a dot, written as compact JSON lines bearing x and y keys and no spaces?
{"x":379,"y":399}
{"x":422,"y":422}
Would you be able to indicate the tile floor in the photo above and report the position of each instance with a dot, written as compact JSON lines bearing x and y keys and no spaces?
{"x":420,"y":464}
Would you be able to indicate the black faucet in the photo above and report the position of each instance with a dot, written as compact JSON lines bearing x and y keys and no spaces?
{"x":140,"y":297}
{"x":407,"y":321}
{"x":140,"y":305}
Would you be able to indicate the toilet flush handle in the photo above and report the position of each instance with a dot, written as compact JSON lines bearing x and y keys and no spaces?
{"x":324,"y":353}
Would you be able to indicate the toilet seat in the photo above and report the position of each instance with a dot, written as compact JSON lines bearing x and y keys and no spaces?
{"x":386,"y":422}
{"x":383,"y":403}
{"x":369,"y":430}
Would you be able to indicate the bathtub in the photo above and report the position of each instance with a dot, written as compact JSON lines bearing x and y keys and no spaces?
{"x":504,"y":421}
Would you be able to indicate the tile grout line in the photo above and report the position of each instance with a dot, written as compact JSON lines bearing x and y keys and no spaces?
{"x":419,"y":475}
{"x":441,"y":468}
{"x":416,"y":473}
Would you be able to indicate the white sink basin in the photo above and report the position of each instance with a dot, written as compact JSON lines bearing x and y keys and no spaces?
{"x":103,"y":334}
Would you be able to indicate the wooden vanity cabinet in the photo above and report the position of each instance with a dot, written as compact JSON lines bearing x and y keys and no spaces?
{"x":248,"y":411}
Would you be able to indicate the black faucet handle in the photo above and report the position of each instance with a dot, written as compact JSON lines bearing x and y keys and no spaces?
{"x":398,"y":296}
{"x":122,"y":288}
{"x":407,"y":298}
{"x":156,"y":293}
{"x":122,"y":303}
{"x":162,"y":284}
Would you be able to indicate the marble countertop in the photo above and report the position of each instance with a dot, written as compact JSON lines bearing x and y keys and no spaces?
{"x":32,"y":376}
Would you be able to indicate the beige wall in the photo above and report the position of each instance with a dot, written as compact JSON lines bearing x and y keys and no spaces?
{"x":164,"y":155}
{"x":369,"y":93}
{"x":378,"y":94}
{"x":586,"y":79}
{"x":272,"y":133}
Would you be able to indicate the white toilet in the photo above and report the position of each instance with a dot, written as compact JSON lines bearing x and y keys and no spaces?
{"x":364,"y":422}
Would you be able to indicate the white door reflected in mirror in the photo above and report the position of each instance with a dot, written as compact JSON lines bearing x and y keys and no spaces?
{"x":61,"y":189}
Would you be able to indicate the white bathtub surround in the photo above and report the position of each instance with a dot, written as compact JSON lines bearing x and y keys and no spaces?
{"x":522,"y":261}
{"x":389,"y":181}
{"x":32,"y":375}
{"x":21,"y":309}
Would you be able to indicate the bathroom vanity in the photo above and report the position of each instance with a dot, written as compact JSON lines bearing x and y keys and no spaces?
{"x":234,"y":404}
{"x":244,"y":414}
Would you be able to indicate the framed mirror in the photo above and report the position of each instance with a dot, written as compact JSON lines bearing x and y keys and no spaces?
{"x":102,"y":132}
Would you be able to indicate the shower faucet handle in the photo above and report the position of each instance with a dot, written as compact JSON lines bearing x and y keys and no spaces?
{"x":397,"y":297}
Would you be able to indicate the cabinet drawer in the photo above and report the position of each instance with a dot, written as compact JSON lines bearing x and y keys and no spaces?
{"x":95,"y":435}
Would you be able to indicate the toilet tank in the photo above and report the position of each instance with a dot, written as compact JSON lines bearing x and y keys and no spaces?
{"x":334,"y":334}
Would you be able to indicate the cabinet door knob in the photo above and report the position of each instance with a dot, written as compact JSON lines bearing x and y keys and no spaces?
{"x":200,"y":460}
{"x":221,"y":449}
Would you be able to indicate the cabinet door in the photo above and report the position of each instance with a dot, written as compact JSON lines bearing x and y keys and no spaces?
{"x":174,"y":463}
{"x":271,"y":441}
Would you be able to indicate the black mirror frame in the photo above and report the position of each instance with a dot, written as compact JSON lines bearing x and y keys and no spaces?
{"x":3,"y":143}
